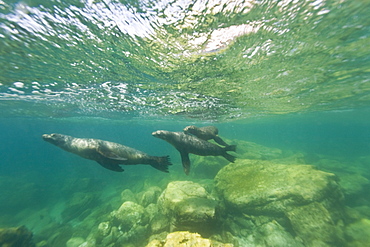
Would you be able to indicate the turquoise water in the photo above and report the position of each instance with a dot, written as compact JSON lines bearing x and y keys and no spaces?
{"x":289,"y":80}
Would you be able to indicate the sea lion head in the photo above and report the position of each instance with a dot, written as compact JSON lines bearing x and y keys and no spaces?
{"x":54,"y":138}
{"x":161,"y":134}
{"x":190,"y":129}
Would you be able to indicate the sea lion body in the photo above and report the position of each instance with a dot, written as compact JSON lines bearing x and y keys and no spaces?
{"x":186,"y":144}
{"x":108,"y":154}
{"x":205,"y":133}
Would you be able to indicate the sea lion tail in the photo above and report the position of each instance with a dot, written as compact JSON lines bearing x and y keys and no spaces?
{"x":229,"y":157}
{"x":230,"y":148}
{"x":161,"y":163}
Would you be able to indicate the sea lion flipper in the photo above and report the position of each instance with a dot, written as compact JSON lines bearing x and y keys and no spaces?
{"x":230,"y":148}
{"x":220,"y":141}
{"x":185,"y":162}
{"x":161,"y":163}
{"x":109,"y":154}
{"x":111,"y":166}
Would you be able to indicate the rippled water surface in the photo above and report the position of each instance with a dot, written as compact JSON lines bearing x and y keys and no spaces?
{"x":288,"y":82}
{"x":213,"y":60}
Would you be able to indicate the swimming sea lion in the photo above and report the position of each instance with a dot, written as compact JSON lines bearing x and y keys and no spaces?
{"x":205,"y":133}
{"x":186,"y":144}
{"x":108,"y":154}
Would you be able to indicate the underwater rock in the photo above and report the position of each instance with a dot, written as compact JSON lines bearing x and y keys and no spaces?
{"x":207,"y":166}
{"x":58,"y":234}
{"x":17,"y":236}
{"x":186,"y":239}
{"x":178,"y":191}
{"x":158,"y":221}
{"x":111,"y":238}
{"x":189,"y":206}
{"x":307,"y":202}
{"x":352,"y":184}
{"x":128,"y":195}
{"x":104,"y":229}
{"x":129,"y":225}
{"x":263,"y":187}
{"x":129,"y":215}
{"x":78,"y":206}
{"x":150,"y":196}
{"x":75,"y":242}
{"x":358,"y":233}
{"x":151,"y":210}
{"x":314,"y":224}
{"x":270,"y":234}
{"x":335,"y":166}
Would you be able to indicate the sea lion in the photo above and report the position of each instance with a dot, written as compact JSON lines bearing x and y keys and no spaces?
{"x":186,"y":144}
{"x":108,"y":154}
{"x":205,"y":133}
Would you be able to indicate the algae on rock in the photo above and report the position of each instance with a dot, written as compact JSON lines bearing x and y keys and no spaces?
{"x":263,"y":187}
{"x":188,"y":206}
{"x":186,"y":239}
{"x":306,"y":202}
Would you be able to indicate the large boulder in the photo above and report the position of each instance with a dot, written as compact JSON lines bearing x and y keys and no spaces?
{"x":75,"y":242}
{"x":17,"y":236}
{"x":305,"y":201}
{"x":128,"y":225}
{"x":189,"y":206}
{"x":263,"y":187}
{"x":128,"y":195}
{"x":186,"y":239}
{"x":129,"y":215}
{"x":358,"y":233}
{"x":270,"y":234}
{"x":150,"y":196}
{"x":314,"y":224}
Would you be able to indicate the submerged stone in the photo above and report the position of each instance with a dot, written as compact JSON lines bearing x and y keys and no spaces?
{"x":75,"y":242}
{"x":263,"y":187}
{"x":178,"y":191}
{"x":129,"y":215}
{"x":314,"y":224}
{"x":353,"y":184}
{"x":150,"y":196}
{"x":186,"y":239}
{"x":189,"y":206}
{"x":358,"y":233}
{"x":104,"y":229}
{"x":17,"y":236}
{"x":306,"y":202}
{"x":128,"y":195}
{"x":270,"y":234}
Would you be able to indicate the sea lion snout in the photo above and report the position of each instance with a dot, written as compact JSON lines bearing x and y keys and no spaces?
{"x":161,"y":134}
{"x":189,"y":128}
{"x":55,"y":139}
{"x":46,"y":137}
{"x":157,"y":133}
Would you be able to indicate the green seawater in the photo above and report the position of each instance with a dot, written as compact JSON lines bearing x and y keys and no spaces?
{"x":286,"y":81}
